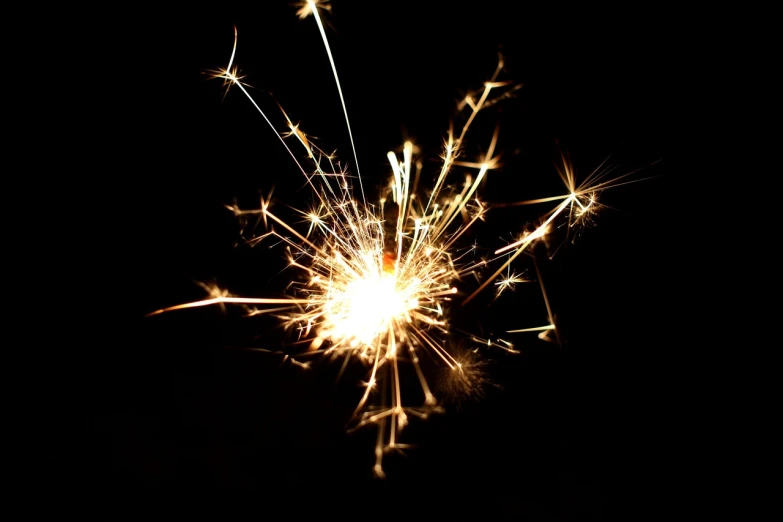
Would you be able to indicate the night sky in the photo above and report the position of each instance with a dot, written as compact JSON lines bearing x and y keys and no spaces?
{"x":175,"y":405}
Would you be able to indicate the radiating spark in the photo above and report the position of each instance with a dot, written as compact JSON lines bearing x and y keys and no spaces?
{"x":468,"y":379}
{"x":310,"y":7}
{"x":534,"y":329}
{"x":508,"y":283}
{"x":376,"y":281}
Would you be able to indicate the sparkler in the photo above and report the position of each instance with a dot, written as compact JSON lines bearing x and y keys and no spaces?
{"x":377,"y":278}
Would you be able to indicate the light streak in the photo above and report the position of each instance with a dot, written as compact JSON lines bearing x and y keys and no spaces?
{"x":377,"y":280}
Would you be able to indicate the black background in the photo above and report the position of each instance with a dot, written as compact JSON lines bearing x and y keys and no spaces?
{"x":172,"y":406}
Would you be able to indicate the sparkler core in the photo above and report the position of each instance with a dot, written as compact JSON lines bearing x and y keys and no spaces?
{"x":357,"y":311}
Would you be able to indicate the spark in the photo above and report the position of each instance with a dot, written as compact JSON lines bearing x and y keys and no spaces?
{"x":376,"y":281}
{"x":468,"y":379}
{"x":508,"y":283}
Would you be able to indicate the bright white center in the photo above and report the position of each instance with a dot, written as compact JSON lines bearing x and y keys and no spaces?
{"x":366,"y":308}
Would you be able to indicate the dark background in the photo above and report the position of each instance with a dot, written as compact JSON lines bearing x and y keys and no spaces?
{"x":175,"y":406}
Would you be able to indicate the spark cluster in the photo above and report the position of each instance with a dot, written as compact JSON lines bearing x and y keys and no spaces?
{"x":376,"y":279}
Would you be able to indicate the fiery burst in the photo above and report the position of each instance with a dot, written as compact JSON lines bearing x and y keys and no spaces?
{"x":378,"y":278}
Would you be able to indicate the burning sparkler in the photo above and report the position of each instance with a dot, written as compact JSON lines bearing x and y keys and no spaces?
{"x":378,"y":277}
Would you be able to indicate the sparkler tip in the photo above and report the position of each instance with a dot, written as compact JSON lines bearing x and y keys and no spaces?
{"x":309,"y":7}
